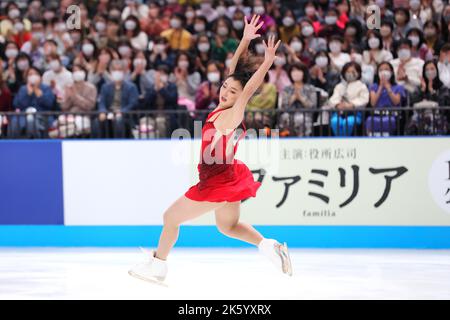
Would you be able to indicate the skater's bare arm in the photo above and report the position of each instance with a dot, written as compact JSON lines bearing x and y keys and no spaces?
{"x":249,"y":34}
{"x":232,"y":119}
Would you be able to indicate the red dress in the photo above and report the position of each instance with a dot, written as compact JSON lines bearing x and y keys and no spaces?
{"x":227,"y":178}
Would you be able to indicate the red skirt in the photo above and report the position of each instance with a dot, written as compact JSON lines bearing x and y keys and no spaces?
{"x":224,"y":182}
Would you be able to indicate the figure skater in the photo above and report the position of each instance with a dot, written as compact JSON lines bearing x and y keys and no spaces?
{"x":224,"y":180}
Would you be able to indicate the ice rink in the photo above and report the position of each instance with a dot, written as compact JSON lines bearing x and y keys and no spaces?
{"x":197,"y":273}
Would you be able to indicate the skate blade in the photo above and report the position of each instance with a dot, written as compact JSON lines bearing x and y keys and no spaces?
{"x":151,"y":280}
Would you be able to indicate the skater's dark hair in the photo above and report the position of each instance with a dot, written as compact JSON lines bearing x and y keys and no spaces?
{"x":245,"y":68}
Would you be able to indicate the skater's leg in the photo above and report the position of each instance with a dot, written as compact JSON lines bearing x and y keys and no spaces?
{"x":227,"y":220}
{"x":182,"y":210}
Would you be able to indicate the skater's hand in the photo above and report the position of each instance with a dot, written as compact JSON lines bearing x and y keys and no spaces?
{"x":251,"y":28}
{"x":271,"y":49}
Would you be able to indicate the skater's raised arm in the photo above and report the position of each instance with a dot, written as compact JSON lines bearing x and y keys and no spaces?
{"x":231,"y":120}
{"x":249,"y":34}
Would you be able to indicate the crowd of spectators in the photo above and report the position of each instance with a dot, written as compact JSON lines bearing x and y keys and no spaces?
{"x":138,"y":55}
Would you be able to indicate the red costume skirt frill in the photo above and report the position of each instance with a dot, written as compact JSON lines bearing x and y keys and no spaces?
{"x":223,"y":182}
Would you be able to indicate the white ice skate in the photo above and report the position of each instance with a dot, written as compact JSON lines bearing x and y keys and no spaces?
{"x":152,"y":270}
{"x":277,"y":253}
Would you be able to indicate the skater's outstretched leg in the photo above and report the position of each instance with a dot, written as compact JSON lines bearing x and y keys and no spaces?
{"x":182,"y":210}
{"x":227,"y":220}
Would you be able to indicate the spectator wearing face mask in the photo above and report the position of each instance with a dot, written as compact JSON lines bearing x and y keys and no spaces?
{"x":186,"y":78}
{"x":238,"y":5}
{"x":444,"y":65}
{"x":154,"y":24}
{"x":337,"y":58}
{"x":297,"y":51}
{"x":278,"y":75}
{"x":329,"y":25}
{"x":15,"y":77}
{"x":207,"y":94}
{"x":322,"y":74}
{"x":407,"y":69}
{"x":161,"y":95}
{"x":349,"y":94}
{"x":88,"y":55}
{"x":432,"y":94}
{"x":79,"y":97}
{"x":178,"y":37}
{"x":353,"y":35}
{"x":140,"y":76}
{"x":432,"y":41}
{"x":132,"y":30}
{"x":10,"y":54}
{"x":222,"y":43}
{"x":38,"y":96}
{"x":312,"y":43}
{"x":57,"y":77}
{"x":419,"y":13}
{"x":134,"y":8}
{"x":162,"y":54}
{"x":117,"y":96}
{"x":203,"y":54}
{"x":299,"y":95}
{"x":290,"y":27}
{"x":208,"y":11}
{"x":384,"y":93}
{"x":266,"y":20}
{"x":375,"y":54}
{"x":418,"y":48}
{"x":34,"y":47}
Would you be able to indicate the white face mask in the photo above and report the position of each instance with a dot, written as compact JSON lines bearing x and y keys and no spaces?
{"x":228,"y":63}
{"x":190,"y":14}
{"x":117,"y":76}
{"x":330,"y":20}
{"x":296,"y":46}
{"x":139,"y":62}
{"x":78,"y":76}
{"x":175,"y":23}
{"x":124,"y":50}
{"x":259,"y":10}
{"x":203,"y":47}
{"x":259,"y":48}
{"x":414,"y":40}
{"x":22,"y":65}
{"x":280,"y":61}
{"x":11,"y":53}
{"x":88,"y":49}
{"x":385,"y":74}
{"x":321,"y":61}
{"x":374,"y":43}
{"x":130,"y":25}
{"x":431,"y":74}
{"x":223,"y":31}
{"x":335,"y":47}
{"x":164,"y":78}
{"x":34,"y":79}
{"x":100,"y":26}
{"x":14,"y":13}
{"x":404,"y":54}
{"x":183,"y":64}
{"x":199,"y":27}
{"x":288,"y":21}
{"x":238,"y":24}
{"x":307,"y":31}
{"x":213,"y":77}
{"x":55,"y":65}
{"x":19,"y":26}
